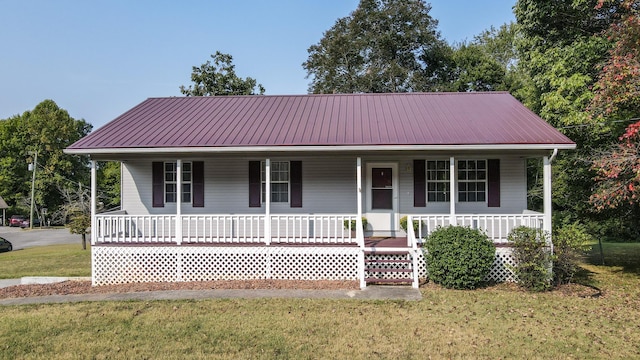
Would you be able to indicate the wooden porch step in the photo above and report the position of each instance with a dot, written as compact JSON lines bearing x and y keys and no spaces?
{"x":380,"y":261}
{"x":368,"y":251}
{"x":389,"y":270}
{"x":388,"y":281}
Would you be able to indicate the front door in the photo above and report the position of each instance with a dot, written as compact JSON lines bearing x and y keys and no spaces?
{"x":382,"y":198}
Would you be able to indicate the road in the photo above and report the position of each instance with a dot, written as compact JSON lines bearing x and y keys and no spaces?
{"x":25,"y":238}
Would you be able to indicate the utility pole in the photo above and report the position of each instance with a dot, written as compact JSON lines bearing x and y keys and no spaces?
{"x":33,"y":187}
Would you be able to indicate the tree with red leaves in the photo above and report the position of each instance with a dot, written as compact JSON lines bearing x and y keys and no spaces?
{"x":618,"y":179}
{"x":617,"y":97}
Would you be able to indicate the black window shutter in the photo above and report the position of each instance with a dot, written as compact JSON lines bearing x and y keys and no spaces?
{"x":419,"y":183}
{"x":493,"y":180}
{"x":296,"y":183}
{"x":197,"y":169}
{"x":157,"y":189}
{"x":255,"y":187}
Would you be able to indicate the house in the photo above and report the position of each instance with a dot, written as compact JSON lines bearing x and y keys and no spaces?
{"x":4,"y":207}
{"x":276,"y":187}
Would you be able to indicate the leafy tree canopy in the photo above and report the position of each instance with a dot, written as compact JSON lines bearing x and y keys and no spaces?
{"x":561,"y":45}
{"x":47,"y":129}
{"x":617,"y":97}
{"x":220,"y":78}
{"x":383,"y":46}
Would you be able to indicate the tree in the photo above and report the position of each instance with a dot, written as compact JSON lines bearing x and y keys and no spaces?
{"x":618,"y":172}
{"x":617,"y":97}
{"x":617,"y":91}
{"x":220,"y":78}
{"x":109,"y":184}
{"x":475,"y":70}
{"x":488,"y":63}
{"x":77,"y":209}
{"x":383,"y":46}
{"x":48,"y":130}
{"x":80,"y":224}
{"x":560,"y":45}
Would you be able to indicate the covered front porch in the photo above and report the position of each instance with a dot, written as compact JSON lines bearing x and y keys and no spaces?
{"x":179,"y":246}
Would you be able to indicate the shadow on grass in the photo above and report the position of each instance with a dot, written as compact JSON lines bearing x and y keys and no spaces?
{"x":624,"y":256}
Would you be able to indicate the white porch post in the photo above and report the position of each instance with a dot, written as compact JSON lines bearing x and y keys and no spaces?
{"x":359,"y":230}
{"x":179,"y":201}
{"x":94,"y":204}
{"x":267,"y":201}
{"x":452,"y":190}
{"x":547,"y":194}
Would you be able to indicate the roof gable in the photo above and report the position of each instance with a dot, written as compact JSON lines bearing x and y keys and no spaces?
{"x":324,"y":120}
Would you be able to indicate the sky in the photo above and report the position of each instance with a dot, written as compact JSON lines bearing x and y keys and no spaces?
{"x":98,"y":59}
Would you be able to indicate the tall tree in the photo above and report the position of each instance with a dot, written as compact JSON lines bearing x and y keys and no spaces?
{"x":47,"y":129}
{"x":560,"y":46}
{"x":383,"y":46}
{"x":616,"y":101}
{"x":220,"y":78}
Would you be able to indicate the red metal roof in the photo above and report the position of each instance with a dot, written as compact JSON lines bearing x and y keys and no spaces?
{"x":324,"y":120}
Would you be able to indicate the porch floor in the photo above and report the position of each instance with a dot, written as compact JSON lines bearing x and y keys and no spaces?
{"x":385,"y":242}
{"x":369,"y":242}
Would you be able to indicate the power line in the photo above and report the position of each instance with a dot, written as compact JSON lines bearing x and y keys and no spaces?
{"x":599,"y":123}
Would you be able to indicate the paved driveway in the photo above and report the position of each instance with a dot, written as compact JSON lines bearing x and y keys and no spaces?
{"x":24,"y":238}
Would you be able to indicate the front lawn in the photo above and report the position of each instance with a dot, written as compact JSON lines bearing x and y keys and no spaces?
{"x":495,"y":322}
{"x":54,"y":260}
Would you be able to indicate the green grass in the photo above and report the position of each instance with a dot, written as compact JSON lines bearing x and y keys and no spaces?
{"x":54,"y":260}
{"x":490,"y":323}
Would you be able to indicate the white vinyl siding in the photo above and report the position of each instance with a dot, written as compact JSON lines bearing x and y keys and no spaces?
{"x":328,"y":185}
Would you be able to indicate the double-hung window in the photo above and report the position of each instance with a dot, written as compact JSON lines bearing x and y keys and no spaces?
{"x":279,"y":181}
{"x":171,"y":182}
{"x":472,"y":180}
{"x":438,"y":181}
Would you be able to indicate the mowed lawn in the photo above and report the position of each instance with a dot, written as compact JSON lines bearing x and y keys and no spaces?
{"x":495,"y":322}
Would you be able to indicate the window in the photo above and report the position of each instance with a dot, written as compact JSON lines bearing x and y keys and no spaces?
{"x":472,"y":180}
{"x":438,"y":181}
{"x":279,"y":181}
{"x":170,"y":182}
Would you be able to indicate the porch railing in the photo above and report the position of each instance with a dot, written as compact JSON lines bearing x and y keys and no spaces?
{"x":228,"y":229}
{"x":497,"y":227}
{"x":135,"y":229}
{"x":306,"y":229}
{"x":225,"y":229}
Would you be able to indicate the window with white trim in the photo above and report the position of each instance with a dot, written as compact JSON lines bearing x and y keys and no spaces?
{"x":472,"y":180}
{"x":438,"y":182}
{"x":279,"y":181}
{"x":171,"y":182}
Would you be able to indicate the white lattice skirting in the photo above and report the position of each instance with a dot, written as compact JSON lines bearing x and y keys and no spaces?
{"x":126,"y":264}
{"x":117,"y":265}
{"x":499,"y":272}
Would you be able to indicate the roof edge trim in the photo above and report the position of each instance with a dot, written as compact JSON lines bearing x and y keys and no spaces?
{"x":325,"y":148}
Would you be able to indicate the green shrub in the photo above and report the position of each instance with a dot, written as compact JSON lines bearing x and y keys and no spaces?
{"x":532,"y":258}
{"x":459,"y":257}
{"x":403,"y":224}
{"x":570,"y":243}
{"x":351,"y":224}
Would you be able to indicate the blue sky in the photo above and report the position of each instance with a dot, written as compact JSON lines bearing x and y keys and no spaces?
{"x":97,"y":59}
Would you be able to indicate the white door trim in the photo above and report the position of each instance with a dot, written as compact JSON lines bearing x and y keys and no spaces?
{"x":376,"y":217}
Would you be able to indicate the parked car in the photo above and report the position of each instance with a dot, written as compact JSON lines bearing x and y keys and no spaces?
{"x":5,"y":245}
{"x":16,"y":220}
{"x":25,"y":223}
